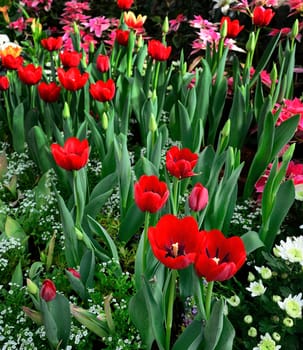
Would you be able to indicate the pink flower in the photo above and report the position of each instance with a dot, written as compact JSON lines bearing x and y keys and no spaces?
{"x":264,"y":75}
{"x":98,"y":25}
{"x":174,"y":24}
{"x":289,"y":109}
{"x":198,"y":197}
{"x":19,"y":24}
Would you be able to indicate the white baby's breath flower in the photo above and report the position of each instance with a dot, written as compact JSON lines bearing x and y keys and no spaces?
{"x":256,"y":288}
{"x":291,"y":250}
{"x":292,"y":305}
{"x":267,"y":343}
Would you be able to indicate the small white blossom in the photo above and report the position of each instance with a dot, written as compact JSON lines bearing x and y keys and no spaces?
{"x":291,"y":250}
{"x":292,"y":305}
{"x":256,"y":288}
{"x":267,"y":343}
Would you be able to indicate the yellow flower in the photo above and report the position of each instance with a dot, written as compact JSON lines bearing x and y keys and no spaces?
{"x":132,"y":21}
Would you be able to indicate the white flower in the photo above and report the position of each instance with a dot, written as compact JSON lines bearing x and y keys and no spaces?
{"x":224,"y":5}
{"x":267,"y":343}
{"x":292,"y":305}
{"x":299,"y":192}
{"x":264,"y":271}
{"x":291,"y":249}
{"x":256,"y":288}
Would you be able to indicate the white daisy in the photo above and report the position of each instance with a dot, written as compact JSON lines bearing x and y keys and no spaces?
{"x":256,"y":288}
{"x":292,"y":305}
{"x":291,"y":249}
{"x":267,"y":343}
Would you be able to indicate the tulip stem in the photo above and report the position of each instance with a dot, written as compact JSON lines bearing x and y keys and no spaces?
{"x":176,"y":191}
{"x":156,"y":76}
{"x":145,"y":239}
{"x":209,"y":292}
{"x":170,"y":307}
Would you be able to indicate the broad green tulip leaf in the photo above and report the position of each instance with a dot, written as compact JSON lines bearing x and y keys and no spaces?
{"x":191,"y":338}
{"x":17,"y":277}
{"x":87,"y":268}
{"x":18,"y":129}
{"x":227,"y":336}
{"x":252,"y":241}
{"x":131,"y":223}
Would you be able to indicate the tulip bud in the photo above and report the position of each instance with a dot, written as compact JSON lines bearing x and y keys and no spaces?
{"x":74,"y":272}
{"x":104,"y":121}
{"x":34,"y":315}
{"x":66,"y":111}
{"x":140,"y":41}
{"x":152,"y":123}
{"x":79,"y":234}
{"x":251,"y":43}
{"x":32,"y":288}
{"x":48,"y":290}
{"x":165,"y":25}
{"x":223,"y":30}
{"x":198,"y":198}
{"x":294,"y":30}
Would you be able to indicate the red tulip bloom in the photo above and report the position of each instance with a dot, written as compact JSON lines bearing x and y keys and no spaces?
{"x":48,"y":290}
{"x":125,"y":4}
{"x":158,"y":51}
{"x":4,"y":83}
{"x":74,"y":272}
{"x":72,"y":79}
{"x":70,"y":58}
{"x":198,"y":197}
{"x":174,"y":241}
{"x":73,"y":155}
{"x":233,"y":26}
{"x":11,"y":62}
{"x":151,"y":194}
{"x":49,"y":92}
{"x":52,"y":44}
{"x":30,"y":74}
{"x":102,"y":63}
{"x":122,"y":37}
{"x":180,"y":162}
{"x":103,"y":90}
{"x":261,"y":17}
{"x":219,"y":258}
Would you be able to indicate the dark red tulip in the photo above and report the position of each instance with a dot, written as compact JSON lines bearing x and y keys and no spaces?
{"x":72,"y":79}
{"x":122,"y":37}
{"x":180,"y":162}
{"x":261,"y":16}
{"x":52,"y":44}
{"x":158,"y":50}
{"x":30,"y":74}
{"x":70,"y":58}
{"x":174,"y":241}
{"x":233,"y":26}
{"x":103,"y":91}
{"x":4,"y":83}
{"x":73,"y":155}
{"x":219,"y":258}
{"x":48,"y":290}
{"x":125,"y":4}
{"x":74,"y":272}
{"x":11,"y":62}
{"x":151,"y":194}
{"x":102,"y":63}
{"x":198,"y":197}
{"x":49,"y":92}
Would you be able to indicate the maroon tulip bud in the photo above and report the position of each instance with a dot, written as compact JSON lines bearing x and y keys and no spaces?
{"x":198,"y":198}
{"x":74,"y":272}
{"x":48,"y":290}
{"x":102,"y":63}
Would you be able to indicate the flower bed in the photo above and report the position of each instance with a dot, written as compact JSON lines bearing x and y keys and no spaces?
{"x":151,"y":196}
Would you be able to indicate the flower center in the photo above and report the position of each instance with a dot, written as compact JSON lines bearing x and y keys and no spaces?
{"x":175,"y":250}
{"x":216,"y":258}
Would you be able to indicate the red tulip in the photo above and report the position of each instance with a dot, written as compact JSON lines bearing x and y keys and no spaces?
{"x":70,"y":58}
{"x":134,"y":22}
{"x":4,"y":83}
{"x":158,"y":51}
{"x":261,"y":17}
{"x":51,"y":43}
{"x":125,"y":4}
{"x":151,"y":194}
{"x":49,"y":92}
{"x":122,"y":37}
{"x":180,"y":162}
{"x":30,"y":74}
{"x":198,"y":198}
{"x":11,"y":62}
{"x":48,"y":290}
{"x":103,"y":90}
{"x":174,"y":241}
{"x":73,"y":155}
{"x":72,"y":79}
{"x":233,"y":26}
{"x":219,"y":258}
{"x":74,"y":272}
{"x":102,"y":63}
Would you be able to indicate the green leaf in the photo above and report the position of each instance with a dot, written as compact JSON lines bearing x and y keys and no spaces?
{"x":191,"y":338}
{"x":214,"y":326}
{"x":49,"y":324}
{"x":17,"y":277}
{"x":87,"y":268}
{"x":252,"y":241}
{"x":131,"y":223}
{"x":18,"y":129}
{"x":227,"y":336}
